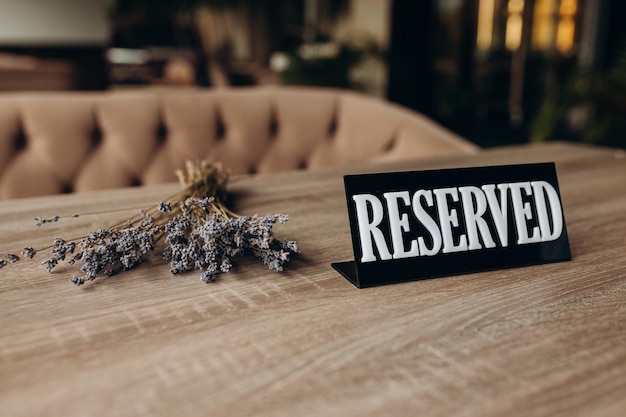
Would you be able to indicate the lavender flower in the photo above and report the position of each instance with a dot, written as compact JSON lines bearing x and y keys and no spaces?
{"x":77,"y":280}
{"x":50,"y":263}
{"x":29,"y":252}
{"x":12,"y":257}
{"x":39,"y":221}
{"x":165,"y":207}
{"x":215,"y":240}
{"x":197,"y":232}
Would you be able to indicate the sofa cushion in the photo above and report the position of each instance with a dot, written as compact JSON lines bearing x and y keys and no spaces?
{"x":77,"y":141}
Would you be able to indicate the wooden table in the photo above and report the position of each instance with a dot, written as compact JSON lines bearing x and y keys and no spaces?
{"x":545,"y":340}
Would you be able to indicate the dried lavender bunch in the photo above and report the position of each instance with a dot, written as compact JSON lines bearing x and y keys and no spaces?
{"x":194,"y":228}
{"x":210,"y":241}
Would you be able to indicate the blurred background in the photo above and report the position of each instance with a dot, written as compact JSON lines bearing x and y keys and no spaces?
{"x":496,"y":72}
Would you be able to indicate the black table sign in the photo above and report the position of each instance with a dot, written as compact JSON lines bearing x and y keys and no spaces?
{"x":424,"y":224}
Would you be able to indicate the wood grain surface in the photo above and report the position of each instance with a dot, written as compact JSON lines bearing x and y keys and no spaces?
{"x":546,"y":340}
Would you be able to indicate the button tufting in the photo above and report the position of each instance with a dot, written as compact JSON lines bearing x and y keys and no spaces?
{"x":220,"y":127}
{"x":391,"y":144}
{"x":75,"y":142}
{"x":273,"y":128}
{"x":20,"y":141}
{"x":161,"y":133}
{"x":96,"y":136}
{"x":332,"y":128}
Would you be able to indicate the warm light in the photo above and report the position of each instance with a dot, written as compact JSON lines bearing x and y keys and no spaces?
{"x":553,"y":24}
{"x":568,"y":7}
{"x":514,"y":25}
{"x":543,"y":24}
{"x":567,"y":26}
{"x":565,"y":35}
{"x":516,"y":6}
{"x":513,"y":35}
{"x":484,"y":35}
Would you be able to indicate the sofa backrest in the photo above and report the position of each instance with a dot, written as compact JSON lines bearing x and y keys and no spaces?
{"x":75,"y":141}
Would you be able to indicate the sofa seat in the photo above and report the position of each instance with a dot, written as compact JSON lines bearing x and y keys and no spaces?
{"x":77,"y":141}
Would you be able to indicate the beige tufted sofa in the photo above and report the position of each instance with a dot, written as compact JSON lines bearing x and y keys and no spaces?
{"x":75,"y":141}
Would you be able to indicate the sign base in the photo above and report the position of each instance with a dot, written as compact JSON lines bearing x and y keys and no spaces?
{"x":348,"y":270}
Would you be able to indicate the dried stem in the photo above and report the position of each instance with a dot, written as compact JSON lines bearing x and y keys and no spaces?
{"x":198,"y":230}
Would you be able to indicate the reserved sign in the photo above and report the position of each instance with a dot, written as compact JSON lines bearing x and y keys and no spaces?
{"x":415,"y":225}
